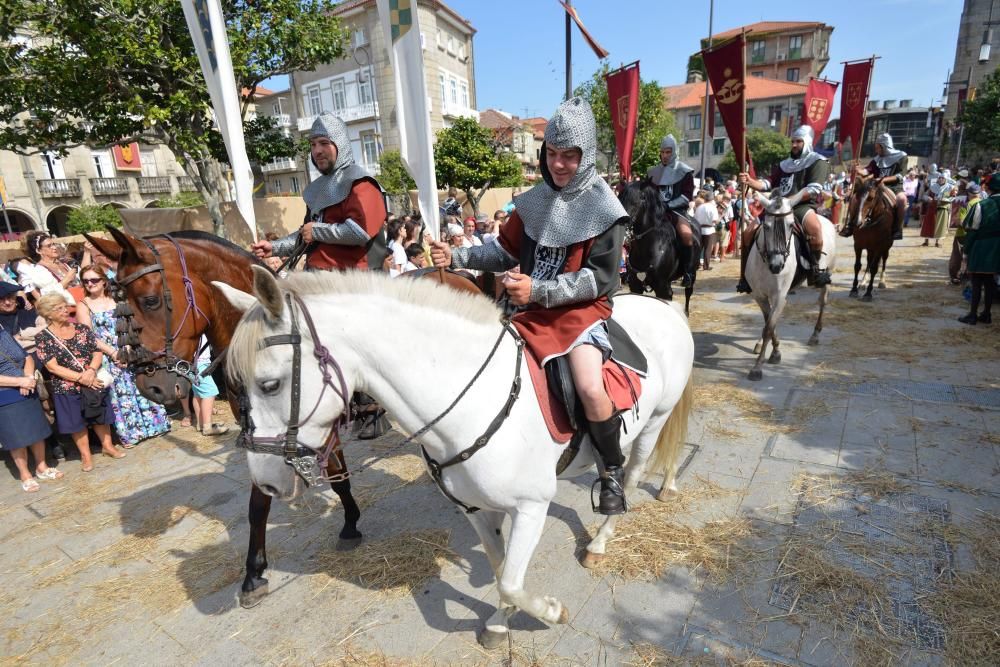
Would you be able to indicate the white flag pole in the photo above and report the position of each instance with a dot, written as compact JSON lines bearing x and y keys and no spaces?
{"x":208,"y":32}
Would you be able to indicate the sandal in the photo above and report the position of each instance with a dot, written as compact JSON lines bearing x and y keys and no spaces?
{"x":128,"y":445}
{"x":114,"y":454}
{"x":215,"y":429}
{"x":186,"y":421}
{"x":87,"y":467}
{"x":29,"y":485}
{"x":50,"y":473}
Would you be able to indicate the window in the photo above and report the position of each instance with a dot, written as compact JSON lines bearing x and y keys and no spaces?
{"x":451,"y":44}
{"x":461,"y":51}
{"x":148,"y":163}
{"x":757,"y":51}
{"x":365,"y":88}
{"x":718,"y":146}
{"x":794,"y":48}
{"x":694,"y":121}
{"x":717,"y":122}
{"x":360,"y":37}
{"x":792,"y":74}
{"x":444,"y":94}
{"x":440,"y":41}
{"x":694,"y":148}
{"x":52,"y":164}
{"x":453,"y":85}
{"x":276,"y":108}
{"x":465,"y":95}
{"x":295,"y":185}
{"x":276,"y":186}
{"x":339,"y":97}
{"x":749,"y":116}
{"x":423,"y":41}
{"x":369,"y":148}
{"x":759,"y":75}
{"x":315,"y":105}
{"x":102,"y":164}
{"x":774,"y":115}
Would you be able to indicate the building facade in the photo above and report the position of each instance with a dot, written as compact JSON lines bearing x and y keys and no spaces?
{"x":784,"y":50}
{"x":522,"y":137}
{"x":359,"y":88}
{"x":914,"y":130}
{"x":772,"y":105}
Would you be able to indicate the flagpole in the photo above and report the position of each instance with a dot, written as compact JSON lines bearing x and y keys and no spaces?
{"x":743,"y":121}
{"x":864,"y":109}
{"x":704,"y":126}
{"x":569,"y":54}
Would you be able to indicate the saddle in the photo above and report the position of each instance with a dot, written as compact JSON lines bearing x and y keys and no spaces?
{"x":556,"y":391}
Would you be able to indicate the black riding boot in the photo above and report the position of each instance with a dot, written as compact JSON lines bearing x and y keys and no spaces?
{"x":685,"y":258}
{"x":743,"y":287}
{"x":606,"y":438}
{"x":817,"y":277}
{"x":848,"y":229}
{"x":897,"y":225}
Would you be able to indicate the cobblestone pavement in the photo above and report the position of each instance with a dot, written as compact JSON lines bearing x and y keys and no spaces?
{"x":822,"y":512}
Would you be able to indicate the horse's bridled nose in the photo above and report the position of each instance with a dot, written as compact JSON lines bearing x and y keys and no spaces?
{"x":268,"y":490}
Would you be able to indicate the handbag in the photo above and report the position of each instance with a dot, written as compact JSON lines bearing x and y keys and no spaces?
{"x":90,"y":396}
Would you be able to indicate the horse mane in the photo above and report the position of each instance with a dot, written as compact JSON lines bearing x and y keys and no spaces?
{"x":254,"y":325}
{"x":641,"y":200}
{"x":198,"y":235}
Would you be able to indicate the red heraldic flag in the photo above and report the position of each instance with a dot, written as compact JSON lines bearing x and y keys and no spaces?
{"x":623,"y":98}
{"x":853,"y":100}
{"x":599,"y":50}
{"x":818,"y":105}
{"x":127,"y":157}
{"x":724,"y":66}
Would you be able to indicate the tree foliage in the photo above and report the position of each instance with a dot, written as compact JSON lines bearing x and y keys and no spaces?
{"x":654,"y":122}
{"x":466,"y":158}
{"x":181,"y":200}
{"x":92,"y":218}
{"x":393,"y":175}
{"x":106,"y":72}
{"x":981,"y":116}
{"x":767,"y":147}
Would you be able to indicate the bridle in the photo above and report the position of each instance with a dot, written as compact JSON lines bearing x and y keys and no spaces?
{"x":304,"y":460}
{"x":773,"y":243}
{"x":138,"y":358}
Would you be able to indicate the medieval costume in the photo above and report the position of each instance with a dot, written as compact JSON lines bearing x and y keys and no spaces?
{"x":934,"y":224}
{"x":887,"y":165}
{"x":982,"y":245}
{"x":347,"y":209}
{"x":675,"y":181}
{"x":569,"y":241}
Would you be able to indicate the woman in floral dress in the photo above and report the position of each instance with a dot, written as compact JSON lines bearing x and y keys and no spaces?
{"x":135,"y":417}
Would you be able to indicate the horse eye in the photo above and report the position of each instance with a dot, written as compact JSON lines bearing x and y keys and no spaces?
{"x":269,"y":386}
{"x":150,"y":302}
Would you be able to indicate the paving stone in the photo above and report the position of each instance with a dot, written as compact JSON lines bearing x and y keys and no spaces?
{"x":770,"y":496}
{"x":860,"y":456}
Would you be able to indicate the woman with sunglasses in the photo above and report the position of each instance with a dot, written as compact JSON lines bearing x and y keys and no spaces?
{"x":50,"y":274}
{"x":136,"y":419}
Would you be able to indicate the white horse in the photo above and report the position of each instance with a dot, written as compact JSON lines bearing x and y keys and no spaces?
{"x":772,"y":276}
{"x":360,"y":316}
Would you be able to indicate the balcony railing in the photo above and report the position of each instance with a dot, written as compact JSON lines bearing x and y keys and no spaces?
{"x":756,"y":58}
{"x":280,"y":164}
{"x":347,"y":114}
{"x":284,"y":120}
{"x":109,"y":186}
{"x":153,"y":184}
{"x":794,"y":54}
{"x":458,"y":111}
{"x":186,"y":184}
{"x":59,"y":187}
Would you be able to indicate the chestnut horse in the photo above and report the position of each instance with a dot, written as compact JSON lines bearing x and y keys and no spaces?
{"x":872,"y":211}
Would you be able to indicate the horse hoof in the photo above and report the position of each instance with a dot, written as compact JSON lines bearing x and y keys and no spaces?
{"x":755,"y":375}
{"x":666,"y":493}
{"x":348,"y":543}
{"x":774,"y":359}
{"x":866,"y":298}
{"x":881,"y":285}
{"x":563,"y":616}
{"x":590,"y":561}
{"x":813,"y":340}
{"x":853,"y":294}
{"x":250,"y":599}
{"x":490,"y":639}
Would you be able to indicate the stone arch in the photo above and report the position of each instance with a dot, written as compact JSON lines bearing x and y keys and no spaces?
{"x":20,"y":221}
{"x":153,"y":203}
{"x":55,"y":219}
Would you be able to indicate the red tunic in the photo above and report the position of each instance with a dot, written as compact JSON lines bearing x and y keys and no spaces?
{"x":366,"y":207}
{"x":549,"y":332}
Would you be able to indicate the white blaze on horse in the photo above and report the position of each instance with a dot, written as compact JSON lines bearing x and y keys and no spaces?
{"x":774,"y":268}
{"x":514,"y":474}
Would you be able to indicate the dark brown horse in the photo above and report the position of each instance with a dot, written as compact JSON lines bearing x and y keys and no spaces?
{"x":871,"y":210}
{"x":190,"y":261}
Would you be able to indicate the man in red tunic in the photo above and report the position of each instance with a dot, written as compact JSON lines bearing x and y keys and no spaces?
{"x":345,"y":220}
{"x":566,"y":234}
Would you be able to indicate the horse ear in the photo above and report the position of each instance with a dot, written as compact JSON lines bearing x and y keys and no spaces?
{"x":107,"y":248}
{"x":129,"y":246}
{"x":241,"y":301}
{"x":265,"y":287}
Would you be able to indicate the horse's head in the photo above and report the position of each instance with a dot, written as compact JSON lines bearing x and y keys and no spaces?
{"x":261,"y":358}
{"x":155,"y":300}
{"x":652,"y":234}
{"x":642,"y":202}
{"x":776,"y":230}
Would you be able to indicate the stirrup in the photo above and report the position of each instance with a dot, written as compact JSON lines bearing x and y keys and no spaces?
{"x":743,"y":287}
{"x":377,"y":422}
{"x":821,"y":277}
{"x":611,"y":499}
{"x":687,"y":280}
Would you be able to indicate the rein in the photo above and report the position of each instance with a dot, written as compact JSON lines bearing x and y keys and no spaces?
{"x":770,"y":237}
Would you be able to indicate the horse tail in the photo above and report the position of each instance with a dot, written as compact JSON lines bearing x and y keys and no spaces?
{"x":671,"y":439}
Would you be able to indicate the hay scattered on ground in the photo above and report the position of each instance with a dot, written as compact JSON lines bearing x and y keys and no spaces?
{"x":651,"y":655}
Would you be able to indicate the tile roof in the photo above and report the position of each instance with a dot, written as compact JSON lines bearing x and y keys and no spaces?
{"x":689,"y":95}
{"x":494,"y":119}
{"x":260,"y":91}
{"x":538,"y":125}
{"x":764,"y":27}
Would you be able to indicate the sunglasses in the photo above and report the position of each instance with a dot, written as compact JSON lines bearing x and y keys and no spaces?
{"x":91,"y":281}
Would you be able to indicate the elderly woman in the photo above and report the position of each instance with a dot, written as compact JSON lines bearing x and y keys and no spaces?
{"x":23,"y":425}
{"x":82,"y":401}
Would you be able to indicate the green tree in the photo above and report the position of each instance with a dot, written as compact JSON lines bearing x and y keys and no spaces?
{"x":465,"y":157}
{"x":92,"y":218}
{"x":654,"y":122}
{"x":394,"y":177}
{"x":181,"y":200}
{"x":981,"y":116}
{"x":767,"y":147}
{"x":107,"y":72}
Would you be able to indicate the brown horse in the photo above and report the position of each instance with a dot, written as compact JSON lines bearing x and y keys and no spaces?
{"x":871,"y":209}
{"x":190,"y":261}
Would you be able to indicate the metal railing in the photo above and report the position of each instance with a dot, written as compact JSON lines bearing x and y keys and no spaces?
{"x":152,"y":184}
{"x":186,"y":184}
{"x":59,"y":187}
{"x":109,"y":186}
{"x":346,"y":114}
{"x":280,"y":164}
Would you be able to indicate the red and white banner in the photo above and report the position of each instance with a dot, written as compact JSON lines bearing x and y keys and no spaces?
{"x":818,"y":105}
{"x":853,"y":103}
{"x":599,"y":50}
{"x":127,"y":157}
{"x":724,"y":66}
{"x":623,"y":99}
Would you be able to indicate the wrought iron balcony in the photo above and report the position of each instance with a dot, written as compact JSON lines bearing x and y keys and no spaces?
{"x":347,"y":114}
{"x":154,"y":184}
{"x":280,"y":164}
{"x":109,"y":186}
{"x":59,"y":187}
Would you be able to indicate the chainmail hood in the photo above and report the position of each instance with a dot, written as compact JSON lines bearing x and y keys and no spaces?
{"x":809,"y":157}
{"x":892,"y":156}
{"x":673,"y":171}
{"x":558,"y":217}
{"x":333,"y":188}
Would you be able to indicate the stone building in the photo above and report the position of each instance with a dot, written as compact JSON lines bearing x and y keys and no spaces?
{"x":784,"y":50}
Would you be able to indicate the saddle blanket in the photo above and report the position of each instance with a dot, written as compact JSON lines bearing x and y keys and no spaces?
{"x":623,"y":385}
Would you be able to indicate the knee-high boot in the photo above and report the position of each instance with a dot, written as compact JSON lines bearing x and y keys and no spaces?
{"x":743,"y":287}
{"x":606,"y":438}
{"x":818,"y":277}
{"x":897,"y":224}
{"x":684,"y":258}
